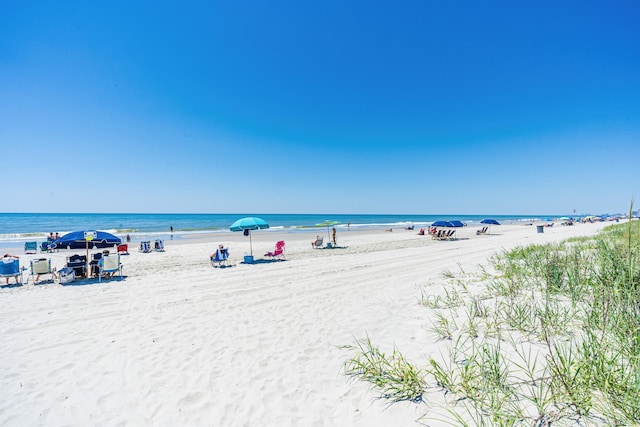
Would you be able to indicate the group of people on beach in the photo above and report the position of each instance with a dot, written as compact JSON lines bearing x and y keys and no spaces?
{"x":333,"y":238}
{"x":9,"y":259}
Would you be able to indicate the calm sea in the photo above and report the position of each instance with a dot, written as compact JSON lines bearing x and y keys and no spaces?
{"x":20,"y":227}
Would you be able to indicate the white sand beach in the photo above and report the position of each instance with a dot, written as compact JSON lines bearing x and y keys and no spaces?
{"x":178,"y":342}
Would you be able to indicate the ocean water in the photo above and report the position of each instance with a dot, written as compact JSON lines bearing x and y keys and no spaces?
{"x":16,"y":228}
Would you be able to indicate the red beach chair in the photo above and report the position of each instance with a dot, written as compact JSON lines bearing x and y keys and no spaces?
{"x":278,"y":252}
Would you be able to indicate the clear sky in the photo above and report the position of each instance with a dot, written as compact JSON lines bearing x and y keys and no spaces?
{"x":416,"y":107}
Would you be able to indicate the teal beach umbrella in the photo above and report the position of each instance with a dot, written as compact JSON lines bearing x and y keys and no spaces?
{"x":247,"y":224}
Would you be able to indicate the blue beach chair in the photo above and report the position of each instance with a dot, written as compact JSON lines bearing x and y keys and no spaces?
{"x":159,"y":245}
{"x":221,"y":257}
{"x":10,"y":267}
{"x":30,"y":247}
{"x":145,"y":247}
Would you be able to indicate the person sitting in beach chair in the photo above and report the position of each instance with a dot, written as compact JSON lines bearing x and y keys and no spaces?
{"x":93,"y":264}
{"x":220,"y":256}
{"x":482,"y":231}
{"x":78,"y":263}
{"x":108,"y":265}
{"x":159,"y":246}
{"x":318,"y":242}
{"x":145,"y":247}
{"x":41,"y":267}
{"x":10,"y":267}
{"x":421,"y":232}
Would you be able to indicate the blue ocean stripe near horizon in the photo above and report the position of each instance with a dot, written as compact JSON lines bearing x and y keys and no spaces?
{"x":47,"y":222}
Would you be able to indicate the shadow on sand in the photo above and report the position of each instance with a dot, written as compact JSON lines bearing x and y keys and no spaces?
{"x":263,"y":261}
{"x":94,"y":281}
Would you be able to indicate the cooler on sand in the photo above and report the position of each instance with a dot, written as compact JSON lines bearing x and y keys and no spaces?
{"x":66,"y":275}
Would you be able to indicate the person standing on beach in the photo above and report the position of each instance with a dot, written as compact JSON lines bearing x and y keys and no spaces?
{"x":334,"y":236}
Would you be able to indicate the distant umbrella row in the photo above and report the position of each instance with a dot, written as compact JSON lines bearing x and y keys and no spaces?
{"x":456,"y":223}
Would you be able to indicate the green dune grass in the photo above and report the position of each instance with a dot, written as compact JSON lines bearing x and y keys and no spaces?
{"x":550,"y":335}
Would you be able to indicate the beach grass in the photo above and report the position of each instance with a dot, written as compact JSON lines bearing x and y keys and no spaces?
{"x":548,"y":334}
{"x":392,"y":374}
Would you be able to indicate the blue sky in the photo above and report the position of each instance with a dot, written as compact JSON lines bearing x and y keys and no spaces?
{"x":417,"y":107}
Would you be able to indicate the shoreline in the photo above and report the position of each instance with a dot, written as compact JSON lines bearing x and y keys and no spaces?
{"x":180,"y":342}
{"x":15,"y":229}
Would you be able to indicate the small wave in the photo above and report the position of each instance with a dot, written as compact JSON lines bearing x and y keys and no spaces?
{"x":16,"y":237}
{"x":207,"y":229}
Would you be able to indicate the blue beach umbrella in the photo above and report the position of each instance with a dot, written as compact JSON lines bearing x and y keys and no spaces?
{"x":490,"y":222}
{"x":247,"y":224}
{"x":442,"y":224}
{"x":76,"y":240}
{"x":449,"y":224}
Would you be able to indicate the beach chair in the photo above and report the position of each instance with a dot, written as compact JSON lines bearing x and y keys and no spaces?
{"x":145,"y":247}
{"x":123,"y":249}
{"x":108,"y":265}
{"x":482,"y":231}
{"x":220,"y":258}
{"x":45,"y":246}
{"x":10,"y":267}
{"x":159,"y":245}
{"x":40,"y":267}
{"x":278,"y":253}
{"x":317,"y":243}
{"x":93,"y":264}
{"x":78,"y":263}
{"x":30,"y":247}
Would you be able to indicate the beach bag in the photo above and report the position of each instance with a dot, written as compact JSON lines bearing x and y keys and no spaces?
{"x":66,"y":275}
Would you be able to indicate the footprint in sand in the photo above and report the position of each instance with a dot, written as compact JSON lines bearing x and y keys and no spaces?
{"x":191,"y":400}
